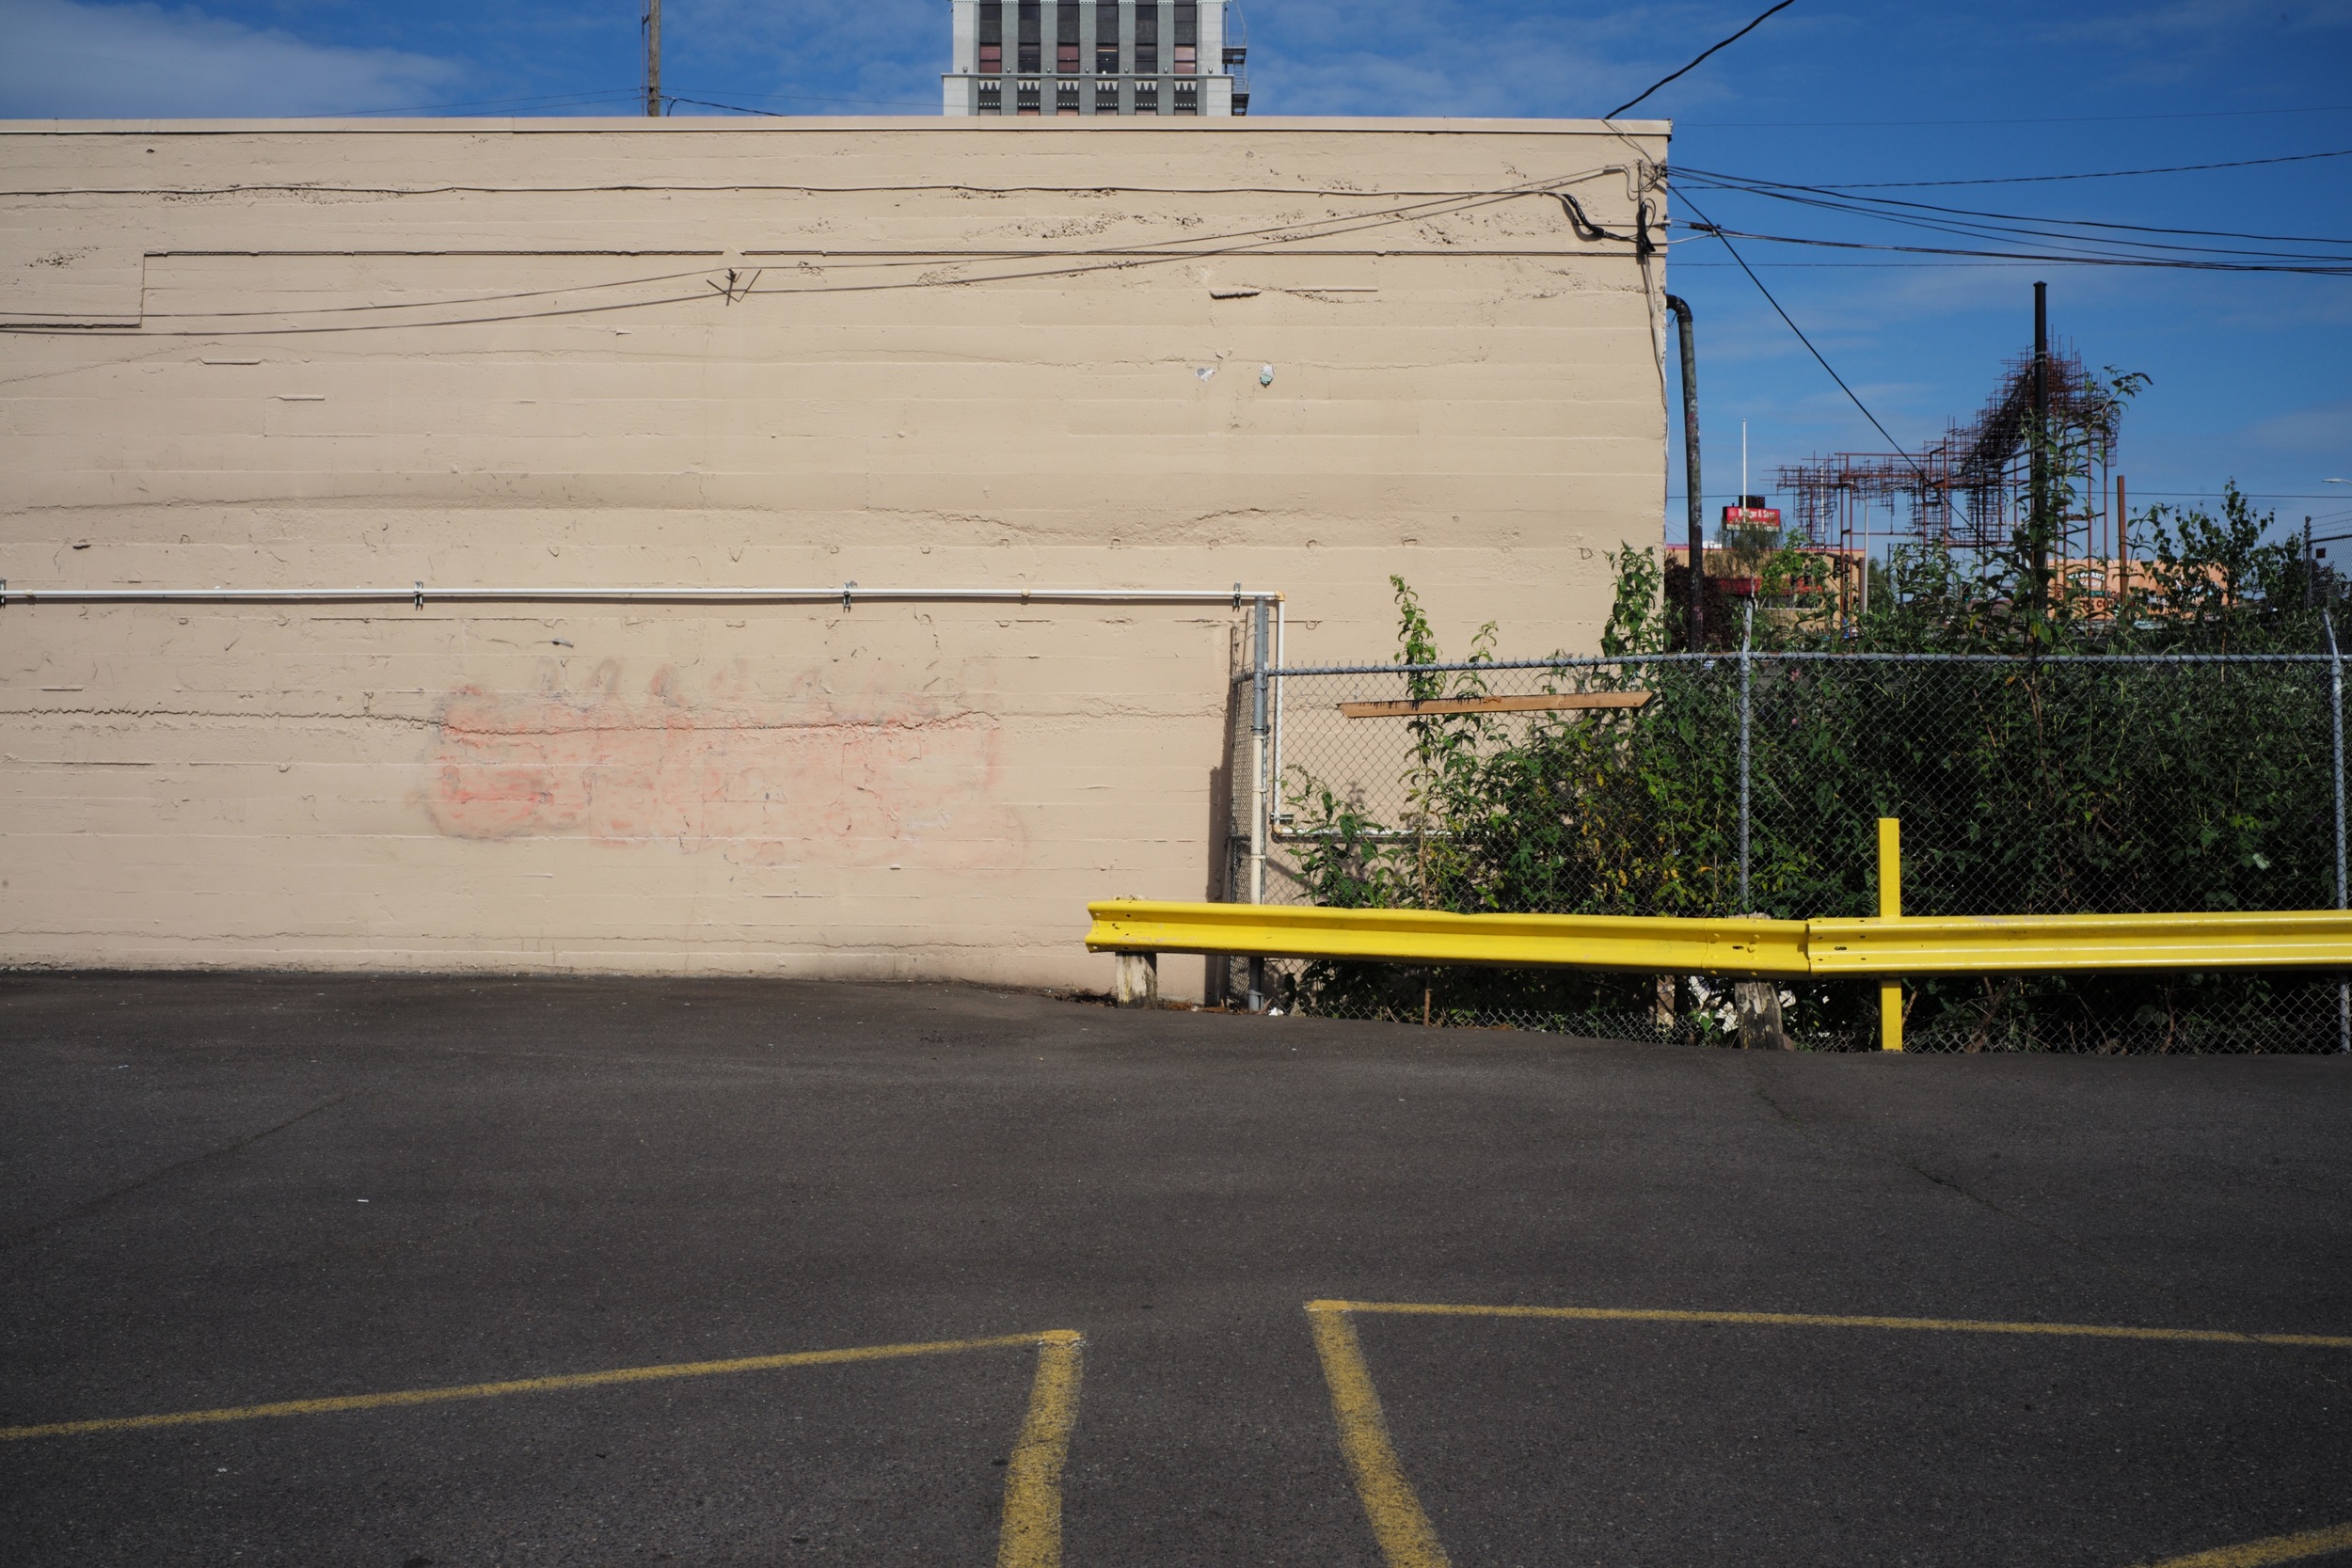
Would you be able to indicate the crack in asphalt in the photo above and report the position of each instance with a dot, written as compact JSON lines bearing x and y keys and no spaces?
{"x":17,"y":1237}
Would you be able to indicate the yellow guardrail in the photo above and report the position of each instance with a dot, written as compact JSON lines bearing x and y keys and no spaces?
{"x":1891,"y":947}
{"x":1905,"y":945}
{"x":1753,"y":946}
{"x":2049,"y":943}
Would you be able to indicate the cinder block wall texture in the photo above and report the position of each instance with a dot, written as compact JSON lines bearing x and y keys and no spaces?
{"x":1079,"y":353}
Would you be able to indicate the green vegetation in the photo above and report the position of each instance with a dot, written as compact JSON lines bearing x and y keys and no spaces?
{"x":2047,"y":783}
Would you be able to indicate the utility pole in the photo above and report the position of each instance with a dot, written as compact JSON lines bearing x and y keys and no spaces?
{"x":2039,"y":524}
{"x":653,"y":61}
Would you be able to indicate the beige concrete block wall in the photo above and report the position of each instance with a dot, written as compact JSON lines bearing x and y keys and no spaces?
{"x":617,"y":352}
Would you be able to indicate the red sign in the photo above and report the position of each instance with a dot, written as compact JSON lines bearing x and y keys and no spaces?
{"x":1752,"y":517}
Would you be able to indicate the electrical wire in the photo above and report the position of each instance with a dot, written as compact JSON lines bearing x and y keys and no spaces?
{"x":1808,"y":342}
{"x":428,"y":304}
{"x":931,"y":105}
{"x":1241,"y":242}
{"x":2066,"y":236}
{"x":2005,"y":120}
{"x":2019,"y":237}
{"x":2101,"y":174}
{"x":731,"y":108}
{"x":618,"y":95}
{"x":1701,"y":57}
{"x":553,"y":101}
{"x":2180,"y":264}
{"x":1834,"y":193}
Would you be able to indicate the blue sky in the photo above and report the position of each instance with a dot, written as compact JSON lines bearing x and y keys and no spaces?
{"x":2249,"y":372}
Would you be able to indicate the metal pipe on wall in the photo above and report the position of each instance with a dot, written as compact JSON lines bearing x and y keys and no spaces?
{"x":1274,"y":767}
{"x":1695,"y":593}
{"x":2040,"y":500}
{"x":1259,"y":744}
{"x":2335,"y":715}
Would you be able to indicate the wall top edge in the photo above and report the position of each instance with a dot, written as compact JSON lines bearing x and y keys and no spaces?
{"x":712,"y":124}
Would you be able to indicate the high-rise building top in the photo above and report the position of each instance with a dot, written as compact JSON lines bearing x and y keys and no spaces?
{"x":1097,"y":58}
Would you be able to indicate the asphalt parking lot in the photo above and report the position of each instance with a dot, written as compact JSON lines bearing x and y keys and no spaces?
{"x":934,"y":1275}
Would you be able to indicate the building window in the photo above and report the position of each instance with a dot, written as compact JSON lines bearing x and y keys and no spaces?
{"x":1106,"y":38}
{"x":1066,"y":99}
{"x":1148,"y":38}
{"x":1066,"y":38}
{"x":1028,"y":98}
{"x":992,"y":99}
{"x":992,"y":39}
{"x":1188,"y":38}
{"x":1028,"y":44}
{"x":1146,"y":98}
{"x":1187,"y":97}
{"x":1106,"y":98}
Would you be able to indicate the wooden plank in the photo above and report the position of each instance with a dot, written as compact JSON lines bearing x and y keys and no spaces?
{"x":1553,"y":703}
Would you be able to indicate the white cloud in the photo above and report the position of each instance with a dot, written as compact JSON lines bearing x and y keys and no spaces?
{"x":70,"y":61}
{"x":1505,"y":57}
{"x":2321,"y":432}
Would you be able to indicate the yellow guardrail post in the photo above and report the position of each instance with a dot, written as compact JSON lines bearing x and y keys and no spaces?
{"x":1890,"y":908}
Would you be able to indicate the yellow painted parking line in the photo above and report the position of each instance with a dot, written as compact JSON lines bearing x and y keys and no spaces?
{"x":1815,"y":1319}
{"x":1402,"y":1526}
{"x":2278,"y":1549}
{"x":537,"y":1385}
{"x":1031,"y":1533}
{"x":1408,"y":1539}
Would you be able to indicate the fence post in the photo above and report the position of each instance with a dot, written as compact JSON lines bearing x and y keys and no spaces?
{"x":1756,"y":1001}
{"x":2335,"y":722}
{"x":1259,"y":734}
{"x":1890,"y":908}
{"x":1747,"y":641}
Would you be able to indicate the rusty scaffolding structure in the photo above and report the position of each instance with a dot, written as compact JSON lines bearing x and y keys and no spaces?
{"x":1971,"y":490}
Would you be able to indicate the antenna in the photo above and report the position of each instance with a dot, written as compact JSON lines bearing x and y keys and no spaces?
{"x":1743,"y":462}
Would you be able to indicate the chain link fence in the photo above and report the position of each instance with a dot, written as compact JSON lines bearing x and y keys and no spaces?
{"x":1695,"y":786}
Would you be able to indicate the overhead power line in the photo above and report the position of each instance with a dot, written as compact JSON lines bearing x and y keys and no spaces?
{"x":1068,"y":265}
{"x":2005,"y":120}
{"x":2014,"y":236}
{"x":1867,"y":203}
{"x":801,"y":98}
{"x":1816,"y":353}
{"x":731,"y":108}
{"x":555,"y":101}
{"x":2084,"y":260}
{"x":1694,"y":63}
{"x":2102,"y":174}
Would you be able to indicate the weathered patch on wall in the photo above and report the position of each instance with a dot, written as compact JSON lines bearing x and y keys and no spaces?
{"x":805,"y":780}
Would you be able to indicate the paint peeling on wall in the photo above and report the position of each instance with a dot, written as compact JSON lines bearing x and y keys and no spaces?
{"x":810,"y":780}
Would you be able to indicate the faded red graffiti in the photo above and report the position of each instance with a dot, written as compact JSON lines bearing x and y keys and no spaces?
{"x":802,"y":780}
